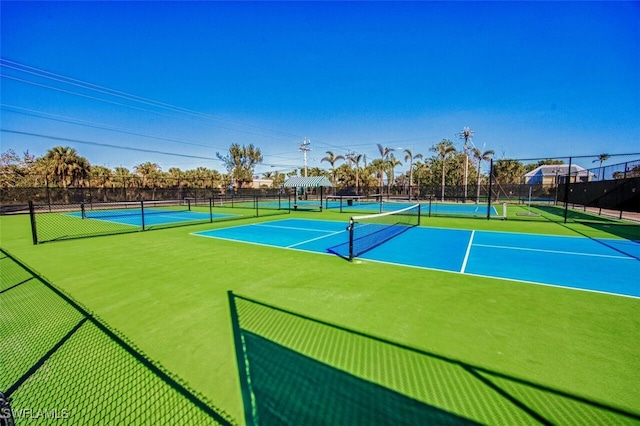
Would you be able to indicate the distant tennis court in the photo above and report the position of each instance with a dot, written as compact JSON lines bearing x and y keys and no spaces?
{"x":56,"y":222}
{"x":601,"y":265}
{"x":378,"y":204}
{"x":154,"y":213}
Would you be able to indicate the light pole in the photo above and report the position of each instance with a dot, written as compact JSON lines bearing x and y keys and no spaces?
{"x":304,"y":147}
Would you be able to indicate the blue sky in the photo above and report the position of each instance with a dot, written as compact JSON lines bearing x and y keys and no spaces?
{"x":532,"y":79}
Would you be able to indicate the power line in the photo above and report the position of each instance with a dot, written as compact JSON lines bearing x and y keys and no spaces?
{"x":127,"y":96}
{"x":555,"y":157}
{"x":144,"y":104}
{"x":94,"y":125}
{"x":114,"y":102}
{"x":57,"y":138}
{"x":172,"y":110}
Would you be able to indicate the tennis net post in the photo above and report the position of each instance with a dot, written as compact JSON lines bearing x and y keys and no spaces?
{"x":351,"y":226}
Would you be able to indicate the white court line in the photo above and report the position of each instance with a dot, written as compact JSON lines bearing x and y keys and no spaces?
{"x":495,"y":277}
{"x":317,"y":238}
{"x":112,"y":221}
{"x":466,"y":255}
{"x":575,"y":253}
{"x":292,"y":228}
{"x":404,"y":265}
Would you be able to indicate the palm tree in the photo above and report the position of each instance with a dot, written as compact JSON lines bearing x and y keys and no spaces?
{"x":209,"y":178}
{"x":65,"y":167}
{"x":176,"y":177}
{"x":410,"y":157}
{"x":602,"y":158}
{"x":101,"y":177}
{"x":392,"y":162}
{"x":424,"y":174}
{"x":317,"y":171}
{"x":332,"y":159}
{"x":481,"y":156}
{"x":444,"y":149}
{"x":355,"y":158}
{"x":384,"y":155}
{"x":278,"y":179}
{"x":123,"y":176}
{"x":378,"y":167}
{"x":147,"y":172}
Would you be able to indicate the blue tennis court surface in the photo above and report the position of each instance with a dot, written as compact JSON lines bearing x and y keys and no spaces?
{"x":602,"y":265}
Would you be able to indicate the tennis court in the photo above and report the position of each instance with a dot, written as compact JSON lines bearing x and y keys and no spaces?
{"x":151,"y":216}
{"x":377,"y":204}
{"x":56,"y":222}
{"x":144,"y":214}
{"x":422,"y":321}
{"x":600,"y":265}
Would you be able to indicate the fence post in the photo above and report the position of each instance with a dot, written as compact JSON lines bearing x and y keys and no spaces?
{"x":566,"y":191}
{"x":250,"y":413}
{"x":32,"y":216}
{"x":142,"y":213}
{"x":46,"y":181}
{"x":490,"y":189}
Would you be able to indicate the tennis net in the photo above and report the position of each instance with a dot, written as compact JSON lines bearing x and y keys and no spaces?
{"x":369,"y":231}
{"x":371,"y":202}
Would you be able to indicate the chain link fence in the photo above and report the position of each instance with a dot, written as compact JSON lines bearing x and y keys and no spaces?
{"x":62,"y":363}
{"x":55,"y":222}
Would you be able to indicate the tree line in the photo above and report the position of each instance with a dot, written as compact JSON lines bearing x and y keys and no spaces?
{"x":64,"y":167}
{"x":446,"y":166}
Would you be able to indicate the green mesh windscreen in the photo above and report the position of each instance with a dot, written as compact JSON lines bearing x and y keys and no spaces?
{"x":299,"y":370}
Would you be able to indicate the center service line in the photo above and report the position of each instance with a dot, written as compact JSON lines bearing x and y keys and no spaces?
{"x":315,"y":239}
{"x":466,"y":255}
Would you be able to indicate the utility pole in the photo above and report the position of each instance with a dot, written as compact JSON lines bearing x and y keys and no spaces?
{"x":466,"y":134}
{"x":349,"y":156}
{"x":304,"y":147}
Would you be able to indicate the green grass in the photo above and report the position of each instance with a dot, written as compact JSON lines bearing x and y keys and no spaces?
{"x":165,"y":290}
